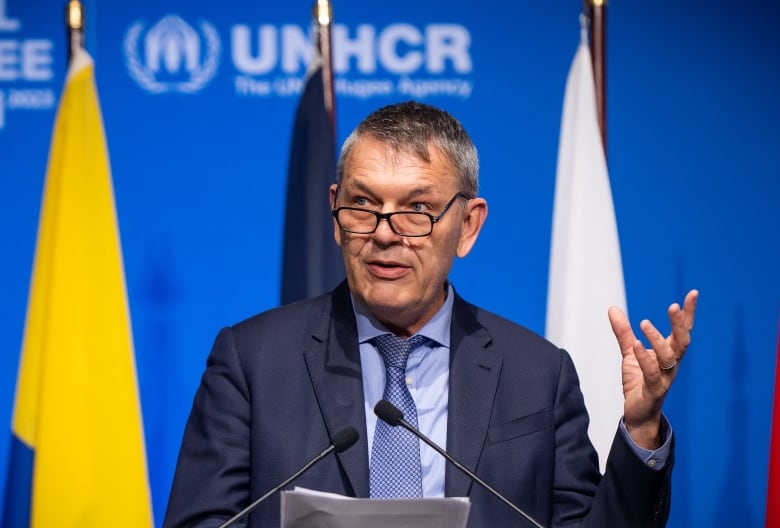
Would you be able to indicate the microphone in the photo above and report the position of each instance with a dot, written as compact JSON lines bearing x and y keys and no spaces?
{"x":339,"y":442}
{"x":394,"y":416}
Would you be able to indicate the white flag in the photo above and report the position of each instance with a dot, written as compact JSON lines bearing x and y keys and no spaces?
{"x":586,"y":274}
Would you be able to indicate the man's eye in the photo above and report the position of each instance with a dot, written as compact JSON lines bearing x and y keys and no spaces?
{"x":419,"y":207}
{"x":361,"y":201}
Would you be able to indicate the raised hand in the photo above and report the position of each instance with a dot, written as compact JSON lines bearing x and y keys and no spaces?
{"x":648,"y":373}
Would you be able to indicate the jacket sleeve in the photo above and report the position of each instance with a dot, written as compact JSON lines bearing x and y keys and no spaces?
{"x":211,"y":482}
{"x":629,"y":494}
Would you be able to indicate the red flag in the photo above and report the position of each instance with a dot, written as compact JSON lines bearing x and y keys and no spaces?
{"x":773,"y":492}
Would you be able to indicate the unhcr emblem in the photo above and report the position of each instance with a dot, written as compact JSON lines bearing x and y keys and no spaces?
{"x":170,"y":56}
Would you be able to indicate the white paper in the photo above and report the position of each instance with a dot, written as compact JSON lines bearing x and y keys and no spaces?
{"x":305,"y":508}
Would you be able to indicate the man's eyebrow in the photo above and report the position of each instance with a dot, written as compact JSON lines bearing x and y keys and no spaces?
{"x":420,"y":191}
{"x":359,"y":185}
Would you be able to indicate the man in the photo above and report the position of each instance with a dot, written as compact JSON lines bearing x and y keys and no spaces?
{"x":504,"y":402}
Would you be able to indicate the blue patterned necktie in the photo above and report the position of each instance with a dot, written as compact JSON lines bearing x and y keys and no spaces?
{"x":395,"y":455}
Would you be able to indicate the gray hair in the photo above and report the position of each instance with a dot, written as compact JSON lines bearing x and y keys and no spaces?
{"x":410,"y":127}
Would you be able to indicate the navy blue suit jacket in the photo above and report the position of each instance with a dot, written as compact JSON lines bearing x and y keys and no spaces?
{"x":279,"y":384}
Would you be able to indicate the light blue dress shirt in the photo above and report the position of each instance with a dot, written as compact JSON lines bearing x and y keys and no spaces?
{"x":428,"y":380}
{"x":427,"y":376}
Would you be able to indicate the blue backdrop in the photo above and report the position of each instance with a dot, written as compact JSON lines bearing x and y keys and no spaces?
{"x":199,"y":159}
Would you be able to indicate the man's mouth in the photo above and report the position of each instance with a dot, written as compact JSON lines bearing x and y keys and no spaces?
{"x":387,"y":269}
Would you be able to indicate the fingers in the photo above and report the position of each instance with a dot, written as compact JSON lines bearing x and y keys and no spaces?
{"x":683,"y":317}
{"x":666,"y":352}
{"x":682,"y":323}
{"x":648,"y":373}
{"x":622,"y":329}
{"x":680,"y":337}
{"x":646,"y":361}
{"x":655,"y":380}
{"x":689,"y":307}
{"x":666,"y":359}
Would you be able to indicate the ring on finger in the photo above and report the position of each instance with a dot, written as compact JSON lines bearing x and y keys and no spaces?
{"x":669,"y":367}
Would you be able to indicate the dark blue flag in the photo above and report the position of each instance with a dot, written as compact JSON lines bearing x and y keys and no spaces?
{"x":312,"y":262}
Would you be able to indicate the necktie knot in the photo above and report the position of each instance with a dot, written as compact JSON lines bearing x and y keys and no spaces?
{"x":395,"y":350}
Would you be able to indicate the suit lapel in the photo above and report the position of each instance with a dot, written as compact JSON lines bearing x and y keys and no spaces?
{"x":333,"y":362}
{"x":474,"y":373}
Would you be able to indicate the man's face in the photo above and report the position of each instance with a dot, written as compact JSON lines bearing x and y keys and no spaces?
{"x":401,"y":279}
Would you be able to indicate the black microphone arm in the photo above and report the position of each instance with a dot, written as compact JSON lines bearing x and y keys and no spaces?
{"x":394,"y":416}
{"x":340,"y":441}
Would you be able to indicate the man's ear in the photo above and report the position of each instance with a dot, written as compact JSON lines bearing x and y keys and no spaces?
{"x":476,"y":214}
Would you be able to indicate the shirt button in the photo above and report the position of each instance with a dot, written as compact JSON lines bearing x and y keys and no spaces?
{"x":652,"y":462}
{"x":409,"y":380}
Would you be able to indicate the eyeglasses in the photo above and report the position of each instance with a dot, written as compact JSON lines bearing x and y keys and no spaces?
{"x":403,"y":223}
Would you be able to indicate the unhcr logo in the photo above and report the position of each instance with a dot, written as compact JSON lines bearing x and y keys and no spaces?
{"x":172,"y":56}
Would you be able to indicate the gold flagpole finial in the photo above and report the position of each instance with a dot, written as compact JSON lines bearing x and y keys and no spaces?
{"x":323,"y":17}
{"x":75,"y":13}
{"x":74,"y":20}
{"x":322,"y":12}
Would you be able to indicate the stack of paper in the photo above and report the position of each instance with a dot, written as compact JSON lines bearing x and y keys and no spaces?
{"x":304,"y":508}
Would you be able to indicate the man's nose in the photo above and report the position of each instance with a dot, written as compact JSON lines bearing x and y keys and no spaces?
{"x":384,"y":231}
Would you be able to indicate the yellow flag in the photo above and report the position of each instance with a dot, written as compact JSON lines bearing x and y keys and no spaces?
{"x":77,"y":413}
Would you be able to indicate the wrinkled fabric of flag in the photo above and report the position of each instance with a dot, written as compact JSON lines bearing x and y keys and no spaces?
{"x":77,"y":455}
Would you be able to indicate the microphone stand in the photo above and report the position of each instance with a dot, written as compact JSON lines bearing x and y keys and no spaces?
{"x":393,"y":416}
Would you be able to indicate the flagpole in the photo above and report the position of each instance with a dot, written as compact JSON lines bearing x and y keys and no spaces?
{"x":312,"y":263}
{"x":74,"y":21}
{"x":597,"y":15}
{"x":323,"y":16}
{"x":77,"y":391}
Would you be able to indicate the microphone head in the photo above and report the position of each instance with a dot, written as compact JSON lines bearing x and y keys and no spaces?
{"x":388,"y":412}
{"x":345,"y":438}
